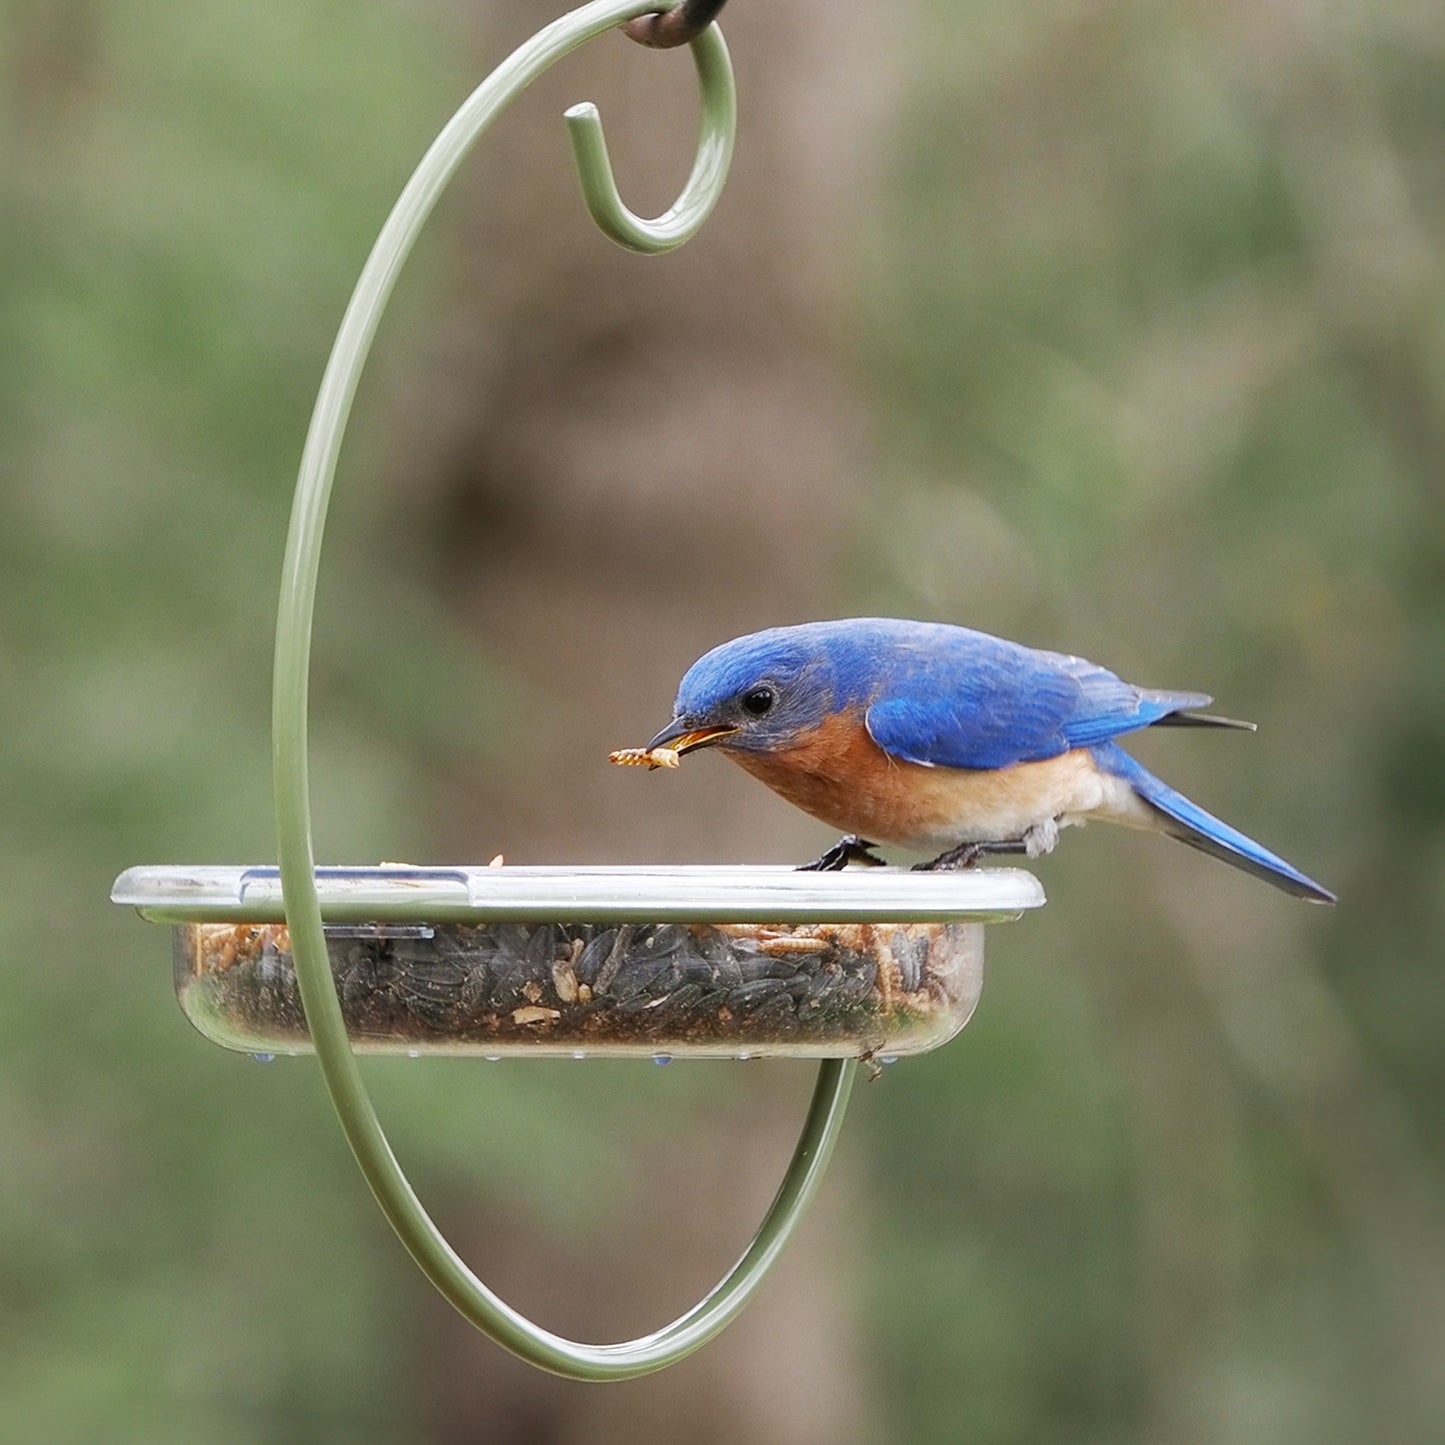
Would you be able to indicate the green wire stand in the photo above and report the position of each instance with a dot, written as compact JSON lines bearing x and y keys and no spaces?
{"x":438,"y":1261}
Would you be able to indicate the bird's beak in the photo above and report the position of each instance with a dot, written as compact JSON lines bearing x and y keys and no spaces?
{"x":681,"y":737}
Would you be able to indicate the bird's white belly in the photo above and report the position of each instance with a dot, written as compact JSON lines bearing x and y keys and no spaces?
{"x":960,"y":805}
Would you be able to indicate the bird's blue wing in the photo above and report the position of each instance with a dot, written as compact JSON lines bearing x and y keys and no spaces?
{"x":973,"y":701}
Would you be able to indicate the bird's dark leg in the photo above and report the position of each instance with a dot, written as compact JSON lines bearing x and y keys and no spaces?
{"x":967,"y":854}
{"x":851,"y":849}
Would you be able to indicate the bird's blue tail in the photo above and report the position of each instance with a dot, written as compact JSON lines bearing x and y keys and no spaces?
{"x":1189,"y":823}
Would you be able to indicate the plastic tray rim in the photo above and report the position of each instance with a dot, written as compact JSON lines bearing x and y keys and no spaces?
{"x":706,"y":893}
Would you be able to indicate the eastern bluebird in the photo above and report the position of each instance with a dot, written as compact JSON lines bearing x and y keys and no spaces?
{"x":937,"y":737}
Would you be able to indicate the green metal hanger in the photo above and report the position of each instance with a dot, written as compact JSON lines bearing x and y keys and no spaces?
{"x":358,"y":1118}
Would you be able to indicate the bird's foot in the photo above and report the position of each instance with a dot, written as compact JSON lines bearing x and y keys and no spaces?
{"x":851,"y":849}
{"x":1041,"y":838}
{"x":967,"y":854}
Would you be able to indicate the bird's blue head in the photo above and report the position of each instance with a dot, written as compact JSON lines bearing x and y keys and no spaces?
{"x":761,"y":693}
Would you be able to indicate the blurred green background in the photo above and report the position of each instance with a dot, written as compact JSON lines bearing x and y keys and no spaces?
{"x":1115,"y":328}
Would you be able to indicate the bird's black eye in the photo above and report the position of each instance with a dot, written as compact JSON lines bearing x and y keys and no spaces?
{"x":758,"y":700}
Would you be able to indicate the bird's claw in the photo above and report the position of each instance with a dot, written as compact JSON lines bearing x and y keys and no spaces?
{"x":851,"y":849}
{"x":967,"y":854}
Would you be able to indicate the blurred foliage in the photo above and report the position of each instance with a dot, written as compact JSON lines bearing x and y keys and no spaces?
{"x":1155,"y":324}
{"x":1170,"y":304}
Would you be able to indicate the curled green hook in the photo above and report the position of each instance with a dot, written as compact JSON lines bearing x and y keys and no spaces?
{"x":682,"y":221}
{"x":290,"y":687}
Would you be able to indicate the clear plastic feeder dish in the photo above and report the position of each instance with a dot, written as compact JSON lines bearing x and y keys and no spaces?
{"x":679,"y":962}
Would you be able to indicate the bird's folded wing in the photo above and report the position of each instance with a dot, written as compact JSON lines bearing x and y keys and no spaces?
{"x":989,"y":704}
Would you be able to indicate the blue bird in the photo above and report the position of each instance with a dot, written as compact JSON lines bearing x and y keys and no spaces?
{"x":934,"y":737}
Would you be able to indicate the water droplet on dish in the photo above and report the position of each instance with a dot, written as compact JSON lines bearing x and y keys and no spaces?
{"x":263,"y":1058}
{"x":743,"y":1058}
{"x":578,"y":1054}
{"x":662,"y":1058}
{"x":492,"y":1058}
{"x":413,"y":1053}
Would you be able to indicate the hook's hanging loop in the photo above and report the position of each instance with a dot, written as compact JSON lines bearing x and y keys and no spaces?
{"x":709,"y":171}
{"x":678,"y":26}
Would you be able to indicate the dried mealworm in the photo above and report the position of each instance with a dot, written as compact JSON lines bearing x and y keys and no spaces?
{"x":648,"y":757}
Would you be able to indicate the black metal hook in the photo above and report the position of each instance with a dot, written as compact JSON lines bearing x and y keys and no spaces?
{"x":678,"y":26}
